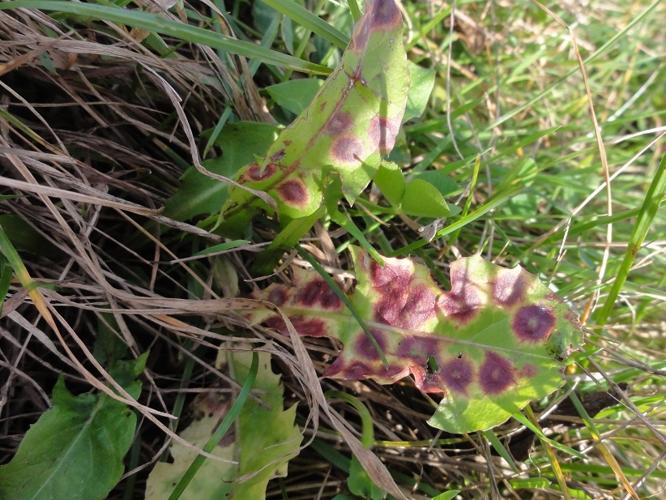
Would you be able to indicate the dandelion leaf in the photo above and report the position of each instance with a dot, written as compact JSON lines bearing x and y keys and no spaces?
{"x":491,"y":344}
{"x":350,"y":124}
{"x":76,"y":448}
{"x":264,"y":441}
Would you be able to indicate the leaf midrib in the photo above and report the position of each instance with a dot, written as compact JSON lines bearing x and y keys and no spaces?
{"x":70,"y":448}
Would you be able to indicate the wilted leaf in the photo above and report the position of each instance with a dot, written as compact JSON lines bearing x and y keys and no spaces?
{"x":264,"y":441}
{"x":352,"y":121}
{"x":75,"y":450}
{"x":491,"y":344}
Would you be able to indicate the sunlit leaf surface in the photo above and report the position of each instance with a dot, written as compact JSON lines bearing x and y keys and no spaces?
{"x":350,"y":124}
{"x":492,"y":343}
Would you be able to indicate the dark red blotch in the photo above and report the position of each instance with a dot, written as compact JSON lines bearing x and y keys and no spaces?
{"x":408,"y":308}
{"x":257,"y":173}
{"x":347,"y":149}
{"x":384,"y":13}
{"x":316,"y":292}
{"x":308,"y":327}
{"x":293,"y":192}
{"x":338,"y":123}
{"x":418,"y":349}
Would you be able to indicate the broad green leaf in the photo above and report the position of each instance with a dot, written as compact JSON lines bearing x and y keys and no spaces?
{"x":417,"y":197}
{"x":265,"y":439}
{"x":213,"y":480}
{"x":422,"y":199}
{"x":350,"y":124}
{"x":496,"y":341}
{"x":360,"y":484}
{"x":391,"y":182}
{"x":422,"y":83}
{"x":199,"y":194}
{"x":295,"y":95}
{"x":75,"y":450}
{"x":444,"y":184}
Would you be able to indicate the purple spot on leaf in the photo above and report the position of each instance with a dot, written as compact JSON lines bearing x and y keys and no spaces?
{"x":278,"y":295}
{"x":336,"y":367}
{"x":528,"y":371}
{"x":384,"y":14}
{"x":308,"y":327}
{"x":496,"y":374}
{"x":338,"y":123}
{"x":460,"y":307}
{"x":278,"y":155}
{"x":293,"y":192}
{"x":509,"y":287}
{"x":347,"y":150}
{"x":360,"y":36}
{"x":406,"y":308}
{"x":357,"y":371}
{"x":418,"y":349}
{"x":383,"y":133}
{"x":392,"y":277}
{"x":366,"y":347}
{"x":457,"y":374}
{"x":276,"y":323}
{"x":462,"y":302}
{"x":392,"y":372}
{"x":533,"y":323}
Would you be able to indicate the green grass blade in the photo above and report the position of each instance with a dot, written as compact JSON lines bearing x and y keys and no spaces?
{"x":307,"y":19}
{"x":494,"y":202}
{"x":500,"y":448}
{"x":611,"y":41}
{"x":154,"y":23}
{"x":214,"y":440}
{"x":647,"y":213}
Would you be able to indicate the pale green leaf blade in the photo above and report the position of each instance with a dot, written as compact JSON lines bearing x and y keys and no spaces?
{"x":422,"y":83}
{"x":391,"y":182}
{"x":261,"y":425}
{"x":422,"y":199}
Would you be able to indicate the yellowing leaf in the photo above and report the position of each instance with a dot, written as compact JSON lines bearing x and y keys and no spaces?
{"x":491,"y":344}
{"x":265,"y":439}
